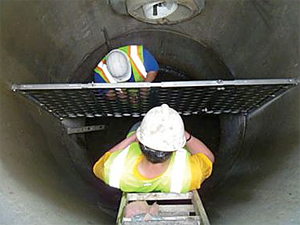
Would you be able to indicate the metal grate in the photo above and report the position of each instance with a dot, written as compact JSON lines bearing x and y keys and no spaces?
{"x":135,"y":99}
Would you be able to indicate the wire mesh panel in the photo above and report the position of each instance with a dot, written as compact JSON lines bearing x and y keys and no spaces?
{"x":135,"y":99}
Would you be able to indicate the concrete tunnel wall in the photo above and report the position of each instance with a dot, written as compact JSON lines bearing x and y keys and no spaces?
{"x":46,"y":41}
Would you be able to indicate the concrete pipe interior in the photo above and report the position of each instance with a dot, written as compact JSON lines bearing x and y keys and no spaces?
{"x":46,"y":174}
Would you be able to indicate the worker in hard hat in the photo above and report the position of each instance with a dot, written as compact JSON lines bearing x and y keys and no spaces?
{"x":131,"y":63}
{"x":159,"y":156}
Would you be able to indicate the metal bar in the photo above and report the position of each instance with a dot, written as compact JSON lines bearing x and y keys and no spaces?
{"x":158,"y":196}
{"x":181,"y":218}
{"x":205,"y":83}
{"x":208,"y":83}
{"x":85,"y":129}
{"x":161,"y":223}
{"x":67,"y":86}
{"x":176,"y":208}
{"x":172,"y":218}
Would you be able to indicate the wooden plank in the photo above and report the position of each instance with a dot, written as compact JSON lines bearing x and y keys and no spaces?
{"x":158,"y":196}
{"x":199,"y":209}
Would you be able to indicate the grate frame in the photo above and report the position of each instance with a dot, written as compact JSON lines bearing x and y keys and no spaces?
{"x":135,"y":99}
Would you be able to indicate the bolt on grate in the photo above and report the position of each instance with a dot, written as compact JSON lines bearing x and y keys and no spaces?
{"x":135,"y":99}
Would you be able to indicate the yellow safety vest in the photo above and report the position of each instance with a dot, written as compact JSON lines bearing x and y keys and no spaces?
{"x":120,"y":171}
{"x":136,"y":56}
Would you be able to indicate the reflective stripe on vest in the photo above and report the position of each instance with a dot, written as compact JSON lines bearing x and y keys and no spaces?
{"x":106,"y":73}
{"x":177,"y":172}
{"x":136,"y":60}
{"x":117,"y":168}
{"x":176,"y":176}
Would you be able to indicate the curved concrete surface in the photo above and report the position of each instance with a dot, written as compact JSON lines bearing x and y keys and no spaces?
{"x":46,"y":41}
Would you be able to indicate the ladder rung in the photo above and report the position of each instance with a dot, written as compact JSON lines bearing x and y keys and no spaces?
{"x":176,"y":208}
{"x":158,"y":196}
{"x":162,"y":223}
{"x":172,"y":218}
{"x":180,"y":218}
{"x":167,"y":220}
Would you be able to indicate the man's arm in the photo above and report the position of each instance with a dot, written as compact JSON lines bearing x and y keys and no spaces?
{"x":194,"y":145}
{"x":151,"y":75}
{"x":123,"y":144}
{"x":98,"y":168}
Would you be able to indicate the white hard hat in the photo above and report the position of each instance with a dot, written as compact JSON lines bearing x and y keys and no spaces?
{"x":162,"y":129}
{"x":119,"y":66}
{"x":159,"y":9}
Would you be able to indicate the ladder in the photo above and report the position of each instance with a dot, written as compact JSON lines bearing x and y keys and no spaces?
{"x":174,"y":208}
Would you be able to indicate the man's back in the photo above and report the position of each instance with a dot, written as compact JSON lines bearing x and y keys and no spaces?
{"x":183,"y":173}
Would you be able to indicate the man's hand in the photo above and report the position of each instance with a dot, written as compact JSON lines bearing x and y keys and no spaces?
{"x":111,"y":95}
{"x":151,"y":75}
{"x":121,"y":94}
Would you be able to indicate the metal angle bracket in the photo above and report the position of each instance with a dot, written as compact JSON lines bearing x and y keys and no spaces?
{"x":85,"y":129}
